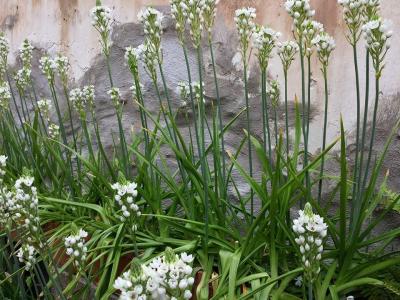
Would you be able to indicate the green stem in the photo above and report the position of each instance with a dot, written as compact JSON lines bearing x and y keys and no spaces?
{"x":221,"y":126}
{"x":321,"y":174}
{"x":305,"y":114}
{"x":285,"y":71}
{"x":355,"y":206}
{"x":373,"y":131}
{"x":246,"y":94}
{"x":192,"y":99}
{"x":364,"y":131}
{"x":203,"y":151}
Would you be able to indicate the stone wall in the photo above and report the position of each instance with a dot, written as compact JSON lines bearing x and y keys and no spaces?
{"x":64,"y":26}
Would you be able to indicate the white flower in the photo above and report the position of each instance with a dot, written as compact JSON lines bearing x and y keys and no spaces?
{"x":298,"y":281}
{"x":209,"y":14}
{"x":125,"y":192}
{"x":299,"y":10}
{"x":180,"y":12}
{"x":195,"y":20}
{"x":325,"y":44}
{"x":274,"y":93}
{"x":26,"y":54}
{"x":244,"y":19}
{"x":132,"y":57}
{"x":183,"y":89}
{"x":54,"y":131}
{"x":82,"y":98}
{"x":353,"y":14}
{"x":115,"y":96}
{"x":162,"y":278}
{"x":62,"y":66}
{"x":4,"y":50}
{"x":44,"y":106}
{"x":102,"y":21}
{"x":377,"y":35}
{"x":47,"y":65}
{"x":264,"y":40}
{"x":311,"y":231}
{"x":5,"y":95}
{"x":310,"y":29}
{"x":23,"y":206}
{"x":26,"y":254}
{"x":152,"y":26}
{"x":76,"y":247}
{"x":22,"y":78}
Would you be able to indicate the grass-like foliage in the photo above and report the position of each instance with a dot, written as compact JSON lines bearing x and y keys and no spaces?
{"x":78,"y":220}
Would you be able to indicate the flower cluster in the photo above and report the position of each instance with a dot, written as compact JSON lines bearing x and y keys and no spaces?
{"x":3,"y":164}
{"x":183,"y":89}
{"x":244,"y":19}
{"x":353,"y":14}
{"x":24,"y":205}
{"x":124,"y":196}
{"x":300,"y":11}
{"x":22,"y":78}
{"x":287,"y":51}
{"x":5,"y":96}
{"x":26,"y":254}
{"x":102,"y":21}
{"x":62,"y":66}
{"x":6,"y":199}
{"x":152,"y":25}
{"x":135,"y":92}
{"x":166,"y":277}
{"x":377,"y":37}
{"x":371,"y":9}
{"x":274,"y":93}
{"x":76,"y":248}
{"x":311,"y":231}
{"x":150,"y":61}
{"x":4,"y":49}
{"x":264,"y":40}
{"x":195,"y":19}
{"x":44,"y":106}
{"x":54,"y":131}
{"x":325,"y":44}
{"x":82,"y":98}
{"x":132,"y":57}
{"x":310,"y":29}
{"x":209,"y":14}
{"x":47,"y":65}
{"x":115,"y":96}
{"x":179,"y":11}
{"x":26,"y":54}
{"x":196,"y":89}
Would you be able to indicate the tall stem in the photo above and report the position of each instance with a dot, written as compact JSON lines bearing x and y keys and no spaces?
{"x":286,"y":113}
{"x":305,"y":114}
{"x":203,"y":150}
{"x":246,"y":94}
{"x":321,"y":173}
{"x":373,"y":131}
{"x":221,"y":125}
{"x":355,"y":175}
{"x":192,"y":102}
{"x":265,"y":115}
{"x":364,"y":128}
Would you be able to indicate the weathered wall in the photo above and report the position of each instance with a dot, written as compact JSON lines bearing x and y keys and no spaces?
{"x":64,"y":25}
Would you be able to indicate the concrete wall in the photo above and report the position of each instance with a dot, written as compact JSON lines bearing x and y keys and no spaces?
{"x":64,"y":26}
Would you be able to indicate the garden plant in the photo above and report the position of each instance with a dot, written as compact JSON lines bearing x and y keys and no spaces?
{"x":81,"y":221}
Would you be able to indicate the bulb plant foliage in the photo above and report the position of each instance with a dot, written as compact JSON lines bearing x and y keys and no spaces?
{"x":119,"y":220}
